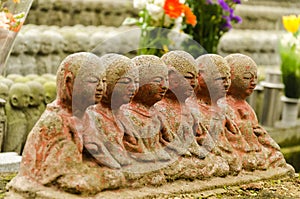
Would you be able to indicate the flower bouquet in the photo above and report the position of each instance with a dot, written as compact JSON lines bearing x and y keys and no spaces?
{"x":12,"y":17}
{"x":214,"y":18}
{"x":160,"y":21}
{"x":289,"y":50}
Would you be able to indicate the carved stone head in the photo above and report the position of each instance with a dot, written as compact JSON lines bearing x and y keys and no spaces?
{"x":182,"y":78}
{"x":243,"y":75}
{"x":50,"y":91}
{"x":213,"y":76}
{"x":19,"y":45}
{"x":36,"y":93}
{"x":153,"y":76}
{"x":122,"y":79}
{"x":19,"y":95}
{"x":46,"y":44}
{"x":4,"y":91}
{"x":32,"y":41}
{"x":80,"y":81}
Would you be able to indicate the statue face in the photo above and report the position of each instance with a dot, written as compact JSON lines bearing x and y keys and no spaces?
{"x":50,"y":92}
{"x":89,"y":86}
{"x":183,"y":79}
{"x":245,"y":81}
{"x":32,"y":41}
{"x":182,"y":86}
{"x":20,"y":46}
{"x":221,"y":83}
{"x":46,"y":46}
{"x":34,"y":99}
{"x":23,"y":99}
{"x":214,"y":76}
{"x":153,"y":76}
{"x":243,"y":75}
{"x":19,"y":95}
{"x":156,"y":88}
{"x":4,"y":91}
{"x":36,"y":94}
{"x":125,"y":89}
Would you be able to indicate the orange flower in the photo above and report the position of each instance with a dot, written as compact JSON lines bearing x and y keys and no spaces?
{"x":173,"y":8}
{"x":10,"y":17}
{"x":16,"y":1}
{"x":190,"y":18}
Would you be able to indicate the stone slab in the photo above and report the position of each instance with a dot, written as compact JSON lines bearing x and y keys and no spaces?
{"x":285,"y":137}
{"x":9,"y":162}
{"x":263,"y":17}
{"x":260,"y":45}
{"x":278,"y":3}
{"x":23,"y":189}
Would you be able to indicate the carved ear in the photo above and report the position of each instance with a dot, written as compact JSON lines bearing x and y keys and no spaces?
{"x":69,"y":81}
{"x":14,"y":101}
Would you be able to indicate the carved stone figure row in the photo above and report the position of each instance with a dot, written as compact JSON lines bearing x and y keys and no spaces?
{"x":89,"y":12}
{"x":120,"y":122}
{"x":23,"y":100}
{"x":40,"y":49}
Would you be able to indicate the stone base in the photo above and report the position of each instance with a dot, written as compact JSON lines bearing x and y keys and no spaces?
{"x":23,"y":189}
{"x":9,"y":162}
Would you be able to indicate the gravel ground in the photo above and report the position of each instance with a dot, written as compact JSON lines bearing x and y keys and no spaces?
{"x":287,"y":188}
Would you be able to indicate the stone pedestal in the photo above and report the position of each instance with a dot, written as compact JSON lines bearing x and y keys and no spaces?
{"x":271,"y":103}
{"x":9,"y":162}
{"x":289,"y":111}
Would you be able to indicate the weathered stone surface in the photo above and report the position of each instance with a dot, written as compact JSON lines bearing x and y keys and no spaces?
{"x":23,"y":189}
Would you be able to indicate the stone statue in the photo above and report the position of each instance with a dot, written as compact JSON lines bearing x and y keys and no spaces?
{"x":213,"y":82}
{"x":13,"y":76}
{"x":53,"y":152}
{"x":142,"y":127}
{"x":175,"y":112}
{"x":32,"y":76}
{"x":119,"y":123}
{"x":36,"y":103}
{"x":4,"y":90}
{"x":57,"y":54}
{"x":32,"y":41}
{"x":6,"y":81}
{"x":182,"y":80}
{"x":50,"y":92}
{"x":15,"y":137}
{"x":121,"y":87}
{"x":43,"y":60}
{"x":14,"y":62}
{"x":244,"y":80}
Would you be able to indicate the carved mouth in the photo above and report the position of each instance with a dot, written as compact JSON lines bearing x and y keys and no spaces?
{"x":98,"y":95}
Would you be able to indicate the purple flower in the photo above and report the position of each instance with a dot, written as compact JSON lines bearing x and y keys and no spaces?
{"x":224,"y":5}
{"x":209,"y":2}
{"x":227,"y":25}
{"x":236,"y":18}
{"x":233,"y":17}
{"x":237,"y":1}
